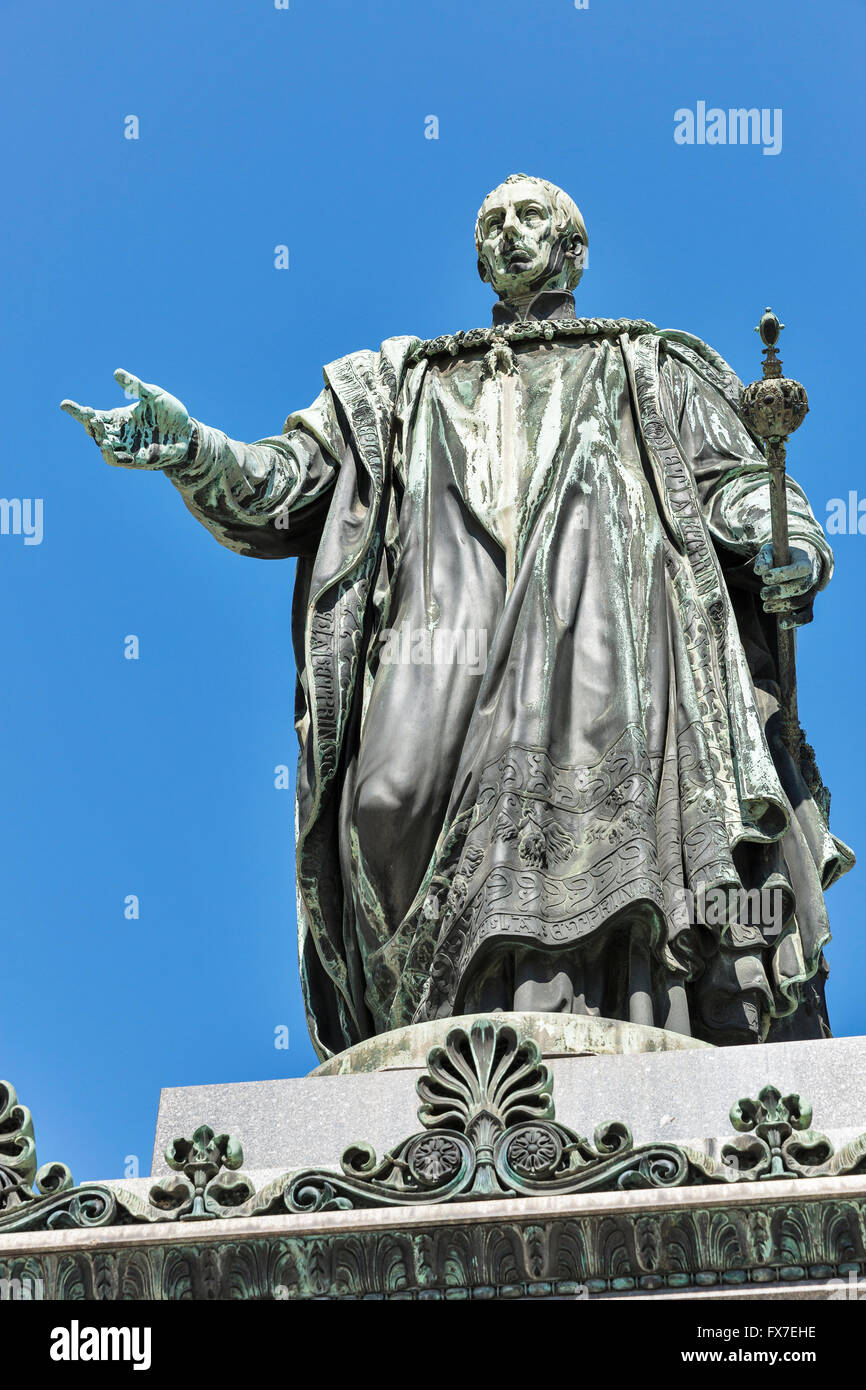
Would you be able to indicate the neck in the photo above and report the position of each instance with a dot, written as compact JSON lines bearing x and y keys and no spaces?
{"x":536,"y":304}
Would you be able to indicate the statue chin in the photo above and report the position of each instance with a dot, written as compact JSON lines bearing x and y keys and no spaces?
{"x":522,"y":282}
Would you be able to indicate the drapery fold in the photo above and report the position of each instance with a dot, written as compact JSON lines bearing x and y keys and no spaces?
{"x":574,"y":817}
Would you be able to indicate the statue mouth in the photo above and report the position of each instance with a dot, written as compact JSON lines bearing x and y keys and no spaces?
{"x":517,"y":258}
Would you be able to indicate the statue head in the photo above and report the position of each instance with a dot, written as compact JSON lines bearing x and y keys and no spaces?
{"x":529,"y":236}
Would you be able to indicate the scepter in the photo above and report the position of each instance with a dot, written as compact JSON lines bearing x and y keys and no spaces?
{"x":774,"y":407}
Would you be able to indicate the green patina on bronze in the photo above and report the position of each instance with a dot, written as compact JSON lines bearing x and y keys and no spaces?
{"x":532,"y":830}
{"x":489,"y":1131}
{"x":686,"y":1248}
{"x":19,"y":1172}
{"x":202,"y":1190}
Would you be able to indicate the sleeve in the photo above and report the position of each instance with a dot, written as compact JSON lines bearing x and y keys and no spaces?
{"x":733,"y":477}
{"x":268,"y":499}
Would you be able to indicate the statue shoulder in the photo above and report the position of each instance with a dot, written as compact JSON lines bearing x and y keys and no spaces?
{"x":378,"y":372}
{"x":365,"y":386}
{"x":695,"y":353}
{"x":393,"y":351}
{"x":690,"y":354}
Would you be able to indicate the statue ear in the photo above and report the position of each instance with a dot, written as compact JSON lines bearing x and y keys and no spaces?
{"x":576,"y":256}
{"x":577,"y":252}
{"x":483,"y":271}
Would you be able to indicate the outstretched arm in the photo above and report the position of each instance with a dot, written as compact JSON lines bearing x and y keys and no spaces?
{"x":266,"y":499}
{"x":734,"y":487}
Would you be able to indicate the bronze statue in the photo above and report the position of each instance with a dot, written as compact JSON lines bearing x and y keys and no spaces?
{"x":535,"y":632}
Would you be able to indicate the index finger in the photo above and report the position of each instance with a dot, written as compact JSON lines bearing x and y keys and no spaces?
{"x":82,"y":413}
{"x":785,"y":574}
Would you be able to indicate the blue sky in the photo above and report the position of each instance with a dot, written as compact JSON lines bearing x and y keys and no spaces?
{"x":305,"y":127}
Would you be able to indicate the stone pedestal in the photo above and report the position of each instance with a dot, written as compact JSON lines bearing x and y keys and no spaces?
{"x":483,"y":1192}
{"x":664,"y":1086}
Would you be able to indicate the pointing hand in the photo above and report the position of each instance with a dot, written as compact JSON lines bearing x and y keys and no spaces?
{"x":155,"y":432}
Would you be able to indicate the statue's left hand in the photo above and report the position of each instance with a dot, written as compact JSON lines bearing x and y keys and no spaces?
{"x":789,"y":590}
{"x":154,"y":433}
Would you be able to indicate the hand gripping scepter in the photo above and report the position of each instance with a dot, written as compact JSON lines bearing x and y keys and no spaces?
{"x":774,"y":407}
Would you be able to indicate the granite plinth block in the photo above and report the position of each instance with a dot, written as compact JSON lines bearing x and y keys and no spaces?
{"x":677,"y":1096}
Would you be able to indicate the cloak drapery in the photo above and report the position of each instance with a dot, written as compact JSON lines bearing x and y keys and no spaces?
{"x":536,"y":702}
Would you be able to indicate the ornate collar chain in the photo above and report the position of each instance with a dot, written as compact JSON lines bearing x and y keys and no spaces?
{"x":499,"y":338}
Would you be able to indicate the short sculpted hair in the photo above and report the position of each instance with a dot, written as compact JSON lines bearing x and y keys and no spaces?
{"x":567,"y":219}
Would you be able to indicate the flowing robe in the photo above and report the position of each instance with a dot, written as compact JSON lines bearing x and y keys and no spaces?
{"x":539,"y":759}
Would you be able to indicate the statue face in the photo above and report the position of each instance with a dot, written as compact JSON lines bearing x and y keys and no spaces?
{"x":520,"y":252}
